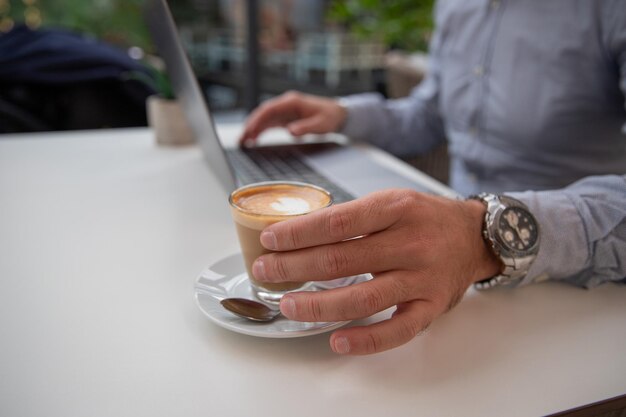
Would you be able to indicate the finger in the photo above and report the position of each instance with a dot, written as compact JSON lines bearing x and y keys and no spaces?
{"x":276,"y":112}
{"x":374,"y":253}
{"x":245,"y":142}
{"x":351,"y":302}
{"x":372,"y":213}
{"x":314,"y":124}
{"x":246,"y":137}
{"x":409,"y":320}
{"x":252,"y":131}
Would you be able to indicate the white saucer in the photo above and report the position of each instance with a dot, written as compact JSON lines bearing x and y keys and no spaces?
{"x":227,"y":278}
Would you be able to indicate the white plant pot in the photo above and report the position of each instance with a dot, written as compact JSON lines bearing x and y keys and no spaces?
{"x":168,"y":122}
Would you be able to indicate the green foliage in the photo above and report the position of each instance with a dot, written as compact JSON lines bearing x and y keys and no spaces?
{"x":402,"y":24}
{"x":157,"y":80}
{"x":115,"y":21}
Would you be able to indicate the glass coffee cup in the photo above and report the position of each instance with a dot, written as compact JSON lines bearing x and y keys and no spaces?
{"x":256,"y":206}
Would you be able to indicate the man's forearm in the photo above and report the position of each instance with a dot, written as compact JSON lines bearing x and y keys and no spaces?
{"x":403,"y":127}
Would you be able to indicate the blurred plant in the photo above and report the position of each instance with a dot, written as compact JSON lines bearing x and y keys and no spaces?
{"x":401,"y":24}
{"x":119,"y":22}
{"x":162,"y":84}
{"x":156,"y":79}
{"x":115,"y":21}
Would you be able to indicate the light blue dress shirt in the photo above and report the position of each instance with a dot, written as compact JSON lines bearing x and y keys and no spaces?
{"x":530,"y":97}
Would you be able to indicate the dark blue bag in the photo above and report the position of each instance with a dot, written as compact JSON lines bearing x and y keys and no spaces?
{"x":58,"y":80}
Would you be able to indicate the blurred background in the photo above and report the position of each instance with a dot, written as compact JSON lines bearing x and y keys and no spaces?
{"x":82,"y":64}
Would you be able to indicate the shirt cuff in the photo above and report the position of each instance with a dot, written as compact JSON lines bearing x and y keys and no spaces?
{"x":563,"y":250}
{"x":359,"y":112}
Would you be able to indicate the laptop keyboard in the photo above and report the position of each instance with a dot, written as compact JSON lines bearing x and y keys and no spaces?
{"x":280,"y":163}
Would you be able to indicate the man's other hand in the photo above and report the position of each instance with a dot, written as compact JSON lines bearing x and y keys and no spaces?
{"x":299,"y":113}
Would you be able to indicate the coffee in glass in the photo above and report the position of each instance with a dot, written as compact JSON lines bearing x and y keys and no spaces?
{"x":256,"y":206}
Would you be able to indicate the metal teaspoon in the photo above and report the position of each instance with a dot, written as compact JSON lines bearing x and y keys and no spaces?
{"x":250,"y":309}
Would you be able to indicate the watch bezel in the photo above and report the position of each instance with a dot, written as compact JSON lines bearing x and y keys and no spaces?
{"x":505,"y":246}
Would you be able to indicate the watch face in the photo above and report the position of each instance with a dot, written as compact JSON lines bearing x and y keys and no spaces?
{"x":517,"y":229}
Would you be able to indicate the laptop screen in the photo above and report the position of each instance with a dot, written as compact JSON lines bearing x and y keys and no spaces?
{"x":186,"y":88}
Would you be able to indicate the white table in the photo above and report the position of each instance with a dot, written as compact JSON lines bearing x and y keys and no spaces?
{"x":102,"y":235}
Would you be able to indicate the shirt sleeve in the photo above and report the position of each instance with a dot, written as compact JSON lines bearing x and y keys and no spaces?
{"x":614,"y":38}
{"x":583,"y":227}
{"x":405,"y":126}
{"x":583,"y":231}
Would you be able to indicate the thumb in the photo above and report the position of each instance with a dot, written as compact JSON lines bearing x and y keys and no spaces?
{"x":313,"y":124}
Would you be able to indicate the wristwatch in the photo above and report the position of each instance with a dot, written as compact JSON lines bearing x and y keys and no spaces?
{"x":512,"y":233}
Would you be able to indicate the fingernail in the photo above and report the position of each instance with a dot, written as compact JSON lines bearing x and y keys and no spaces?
{"x":287,"y":306}
{"x":268,"y":239}
{"x":258,"y":269}
{"x":341,"y":345}
{"x":294,"y":130}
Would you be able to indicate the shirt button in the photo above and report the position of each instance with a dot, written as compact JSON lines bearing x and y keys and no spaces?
{"x":473,"y":131}
{"x":495,"y":4}
{"x":479,"y":70}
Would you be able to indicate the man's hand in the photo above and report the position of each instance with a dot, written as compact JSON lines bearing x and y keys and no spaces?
{"x":423,"y":251}
{"x":299,"y":113}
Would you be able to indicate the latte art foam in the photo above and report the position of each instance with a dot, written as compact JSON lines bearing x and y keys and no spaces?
{"x":280,"y":200}
{"x":291,"y":205}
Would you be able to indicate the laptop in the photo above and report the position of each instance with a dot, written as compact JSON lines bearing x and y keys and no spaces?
{"x":347,"y":171}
